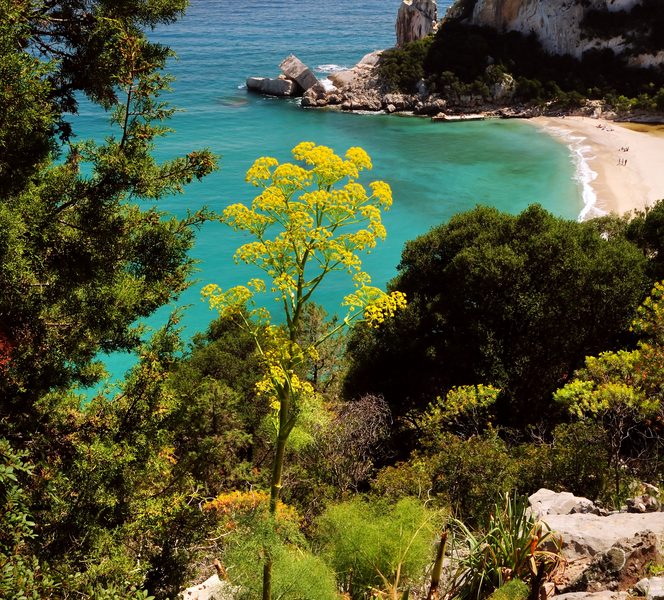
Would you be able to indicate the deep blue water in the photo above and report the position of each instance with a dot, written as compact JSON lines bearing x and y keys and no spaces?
{"x":435,"y":169}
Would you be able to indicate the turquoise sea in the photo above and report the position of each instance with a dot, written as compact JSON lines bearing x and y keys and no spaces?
{"x":435,"y":169}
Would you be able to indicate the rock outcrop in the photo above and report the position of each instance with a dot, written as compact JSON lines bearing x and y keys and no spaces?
{"x":556,"y":23}
{"x":415,"y":20}
{"x":604,"y":553}
{"x":652,"y":588}
{"x":296,"y":79}
{"x":293,"y":68}
{"x":546,"y":502}
{"x":273,"y":87}
{"x":212,"y":588}
{"x":353,"y":89}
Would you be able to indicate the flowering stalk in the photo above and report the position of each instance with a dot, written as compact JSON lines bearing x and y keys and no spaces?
{"x":309,"y":220}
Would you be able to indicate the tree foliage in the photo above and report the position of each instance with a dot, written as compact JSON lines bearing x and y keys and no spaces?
{"x":511,"y":301}
{"x":622,"y":390}
{"x":84,"y":253}
{"x":80,"y":260}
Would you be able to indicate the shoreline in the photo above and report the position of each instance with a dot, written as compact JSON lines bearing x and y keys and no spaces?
{"x":618,"y":166}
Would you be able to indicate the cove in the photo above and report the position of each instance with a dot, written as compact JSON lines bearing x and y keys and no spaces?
{"x":435,"y":169}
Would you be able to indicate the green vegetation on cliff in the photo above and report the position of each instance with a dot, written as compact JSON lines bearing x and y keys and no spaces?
{"x":462,"y":59}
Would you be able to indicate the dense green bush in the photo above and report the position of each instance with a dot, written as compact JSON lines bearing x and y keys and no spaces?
{"x":469,"y":476}
{"x":484,"y":291}
{"x":575,"y":460}
{"x":402,"y":68}
{"x":373,"y":545}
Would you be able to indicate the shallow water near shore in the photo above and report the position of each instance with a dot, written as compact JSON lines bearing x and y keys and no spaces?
{"x":435,"y":169}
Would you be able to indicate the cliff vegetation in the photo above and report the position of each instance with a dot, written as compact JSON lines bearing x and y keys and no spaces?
{"x":465,"y":60}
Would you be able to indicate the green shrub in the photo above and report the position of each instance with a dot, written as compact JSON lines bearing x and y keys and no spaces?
{"x":469,"y":476}
{"x":372,"y":545}
{"x":402,"y":68}
{"x":576,"y":461}
{"x":515,"y":589}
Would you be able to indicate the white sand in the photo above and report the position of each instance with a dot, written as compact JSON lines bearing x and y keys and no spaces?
{"x":611,"y":186}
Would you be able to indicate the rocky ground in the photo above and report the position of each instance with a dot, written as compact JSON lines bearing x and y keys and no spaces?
{"x":609,"y":555}
{"x":360,"y":89}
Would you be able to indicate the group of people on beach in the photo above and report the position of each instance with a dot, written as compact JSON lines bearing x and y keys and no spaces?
{"x":623,"y":161}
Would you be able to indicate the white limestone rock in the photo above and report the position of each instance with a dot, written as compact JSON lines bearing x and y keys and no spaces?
{"x":652,"y":588}
{"x":293,"y":68}
{"x":416,"y":19}
{"x":588,"y":535}
{"x":273,"y":87}
{"x":603,"y":595}
{"x":546,"y":502}
{"x":556,"y":23}
{"x":211,"y":589}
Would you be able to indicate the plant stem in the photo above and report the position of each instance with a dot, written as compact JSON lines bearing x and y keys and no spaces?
{"x":275,"y":484}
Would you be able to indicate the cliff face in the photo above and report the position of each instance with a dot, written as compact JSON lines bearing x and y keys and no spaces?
{"x":415,"y":20}
{"x":556,"y":23}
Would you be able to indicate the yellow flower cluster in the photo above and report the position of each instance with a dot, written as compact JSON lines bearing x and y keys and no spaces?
{"x":241,"y":218}
{"x":260,"y":170}
{"x":228,"y":302}
{"x":290,"y":176}
{"x":271,"y":200}
{"x":359,"y":157}
{"x":327,"y":166}
{"x":281,"y":360}
{"x":382,"y":192}
{"x":250,"y":253}
{"x":375,"y":314}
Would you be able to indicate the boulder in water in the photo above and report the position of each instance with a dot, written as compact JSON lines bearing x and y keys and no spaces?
{"x":293,"y":68}
{"x":273,"y":87}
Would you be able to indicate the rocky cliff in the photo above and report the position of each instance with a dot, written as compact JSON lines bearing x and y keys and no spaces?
{"x":558,"y":24}
{"x":415,"y":20}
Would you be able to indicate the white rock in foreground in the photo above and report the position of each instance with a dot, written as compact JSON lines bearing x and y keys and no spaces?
{"x":546,"y":502}
{"x":604,"y":595}
{"x":587,"y":535}
{"x":652,"y":588}
{"x":211,"y":589}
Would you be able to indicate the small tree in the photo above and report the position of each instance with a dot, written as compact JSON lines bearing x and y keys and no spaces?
{"x":308,"y":222}
{"x":622,"y":390}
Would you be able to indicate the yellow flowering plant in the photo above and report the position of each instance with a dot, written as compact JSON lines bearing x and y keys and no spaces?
{"x":310,"y":219}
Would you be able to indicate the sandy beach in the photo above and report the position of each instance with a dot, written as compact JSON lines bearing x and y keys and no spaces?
{"x":621,"y":166}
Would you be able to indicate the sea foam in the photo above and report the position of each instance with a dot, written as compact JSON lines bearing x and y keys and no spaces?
{"x":581,"y":154}
{"x":330,"y":68}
